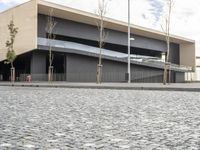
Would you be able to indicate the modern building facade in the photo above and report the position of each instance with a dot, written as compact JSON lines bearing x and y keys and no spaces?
{"x":194,"y":76}
{"x":75,"y":48}
{"x":197,"y":75}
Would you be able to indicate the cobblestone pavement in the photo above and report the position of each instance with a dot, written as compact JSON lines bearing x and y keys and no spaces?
{"x":73,"y":119}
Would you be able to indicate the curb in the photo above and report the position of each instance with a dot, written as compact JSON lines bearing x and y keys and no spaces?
{"x":106,"y":87}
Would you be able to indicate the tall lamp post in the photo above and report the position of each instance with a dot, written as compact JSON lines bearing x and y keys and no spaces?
{"x":129,"y":48}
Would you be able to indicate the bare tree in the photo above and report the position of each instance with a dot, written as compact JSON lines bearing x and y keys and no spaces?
{"x":101,"y":12}
{"x":11,"y":55}
{"x":51,"y":23}
{"x":166,"y":30}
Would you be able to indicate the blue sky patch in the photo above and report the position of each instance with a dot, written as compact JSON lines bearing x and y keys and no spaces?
{"x":2,"y":6}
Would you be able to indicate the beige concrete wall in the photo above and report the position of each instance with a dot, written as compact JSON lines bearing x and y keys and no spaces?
{"x":198,"y":61}
{"x":196,"y":75}
{"x":25,"y":18}
{"x":187,"y":55}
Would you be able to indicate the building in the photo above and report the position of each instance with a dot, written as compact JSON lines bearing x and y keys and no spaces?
{"x":194,"y":76}
{"x":76,"y":47}
{"x":197,"y":68}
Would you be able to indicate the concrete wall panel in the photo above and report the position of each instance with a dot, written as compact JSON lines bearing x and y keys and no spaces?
{"x":83,"y":69}
{"x":84,"y":31}
{"x":38,"y":65}
{"x":187,"y":55}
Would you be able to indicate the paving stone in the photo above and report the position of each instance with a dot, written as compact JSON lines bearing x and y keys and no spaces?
{"x":71,"y":119}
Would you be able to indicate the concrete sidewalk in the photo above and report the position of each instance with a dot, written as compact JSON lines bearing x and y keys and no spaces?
{"x":193,"y":87}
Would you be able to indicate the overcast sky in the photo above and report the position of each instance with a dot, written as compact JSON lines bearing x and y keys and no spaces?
{"x":148,"y":13}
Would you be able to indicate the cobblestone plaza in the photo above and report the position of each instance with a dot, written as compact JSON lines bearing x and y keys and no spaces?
{"x":73,"y":119}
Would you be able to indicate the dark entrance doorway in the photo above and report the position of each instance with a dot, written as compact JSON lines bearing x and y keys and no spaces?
{"x":21,"y":64}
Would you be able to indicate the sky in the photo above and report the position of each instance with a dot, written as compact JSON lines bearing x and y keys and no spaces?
{"x":185,"y":16}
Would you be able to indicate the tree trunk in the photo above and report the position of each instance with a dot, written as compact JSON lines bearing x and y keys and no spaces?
{"x":165,"y":74}
{"x":50,"y":74}
{"x":99,"y":73}
{"x":99,"y":66}
{"x":12,"y":74}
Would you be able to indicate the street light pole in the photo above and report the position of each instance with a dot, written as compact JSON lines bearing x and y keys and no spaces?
{"x":129,"y":49}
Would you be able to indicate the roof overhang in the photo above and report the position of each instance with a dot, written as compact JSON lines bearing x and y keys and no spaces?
{"x":64,"y":12}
